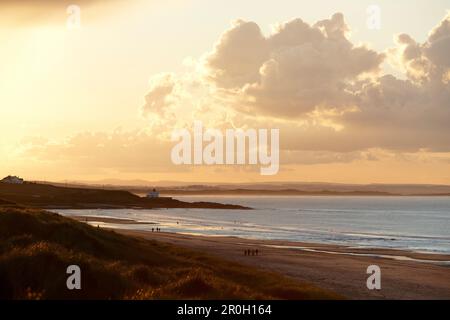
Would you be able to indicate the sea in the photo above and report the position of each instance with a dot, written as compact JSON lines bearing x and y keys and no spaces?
{"x":420,"y":224}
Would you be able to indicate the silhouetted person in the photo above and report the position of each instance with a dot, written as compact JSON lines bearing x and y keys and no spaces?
{"x":245,"y":252}
{"x":153,"y":229}
{"x":256,"y":251}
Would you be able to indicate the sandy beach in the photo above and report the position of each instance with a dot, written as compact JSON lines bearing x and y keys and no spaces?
{"x":404,"y":275}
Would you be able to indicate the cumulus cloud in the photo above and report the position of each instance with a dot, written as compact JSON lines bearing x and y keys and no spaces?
{"x":294,"y":71}
{"x":429,"y":61}
{"x":324,"y":92}
{"x":158,"y":98}
{"x":175,"y":101}
{"x":412,"y":112}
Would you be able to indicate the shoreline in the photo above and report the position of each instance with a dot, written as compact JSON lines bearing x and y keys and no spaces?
{"x":405,"y":274}
{"x":332,"y":249}
{"x":110,"y":220}
{"x":337,"y":248}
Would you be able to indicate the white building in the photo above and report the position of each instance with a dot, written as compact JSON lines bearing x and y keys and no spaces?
{"x":153,"y":194}
{"x":12,"y":180}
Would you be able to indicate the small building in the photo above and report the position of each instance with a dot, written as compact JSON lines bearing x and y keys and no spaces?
{"x":12,"y":180}
{"x":153,"y":194}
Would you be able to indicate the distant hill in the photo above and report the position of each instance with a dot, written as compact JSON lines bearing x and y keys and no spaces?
{"x":49,"y":196}
{"x":262,"y":192}
{"x":264,"y":188}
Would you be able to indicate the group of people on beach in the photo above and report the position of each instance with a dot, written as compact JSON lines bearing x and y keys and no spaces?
{"x":251,"y":252}
{"x":156,"y":229}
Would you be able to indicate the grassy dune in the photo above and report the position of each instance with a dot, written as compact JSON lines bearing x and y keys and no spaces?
{"x":36,"y":247}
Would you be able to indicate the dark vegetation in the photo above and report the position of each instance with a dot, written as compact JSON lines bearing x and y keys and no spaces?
{"x":37,"y":246}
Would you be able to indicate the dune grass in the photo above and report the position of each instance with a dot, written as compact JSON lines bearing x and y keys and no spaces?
{"x":37,"y":246}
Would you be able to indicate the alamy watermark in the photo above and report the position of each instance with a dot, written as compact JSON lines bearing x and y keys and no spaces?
{"x":374,"y":17}
{"x":374,"y":280}
{"x":73,"y":282}
{"x":234,"y":147}
{"x":73,"y":21}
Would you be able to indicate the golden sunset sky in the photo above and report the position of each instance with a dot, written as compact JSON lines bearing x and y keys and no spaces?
{"x":353,"y":104}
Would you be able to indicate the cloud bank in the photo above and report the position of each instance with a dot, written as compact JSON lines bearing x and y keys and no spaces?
{"x":330,"y":98}
{"x":324,"y":92}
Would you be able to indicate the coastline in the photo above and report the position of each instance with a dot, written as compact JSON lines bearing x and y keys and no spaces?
{"x":48,"y":197}
{"x":405,"y":274}
{"x":388,"y":253}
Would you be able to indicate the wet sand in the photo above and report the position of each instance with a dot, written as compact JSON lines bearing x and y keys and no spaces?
{"x":337,"y":268}
{"x":107,"y":220}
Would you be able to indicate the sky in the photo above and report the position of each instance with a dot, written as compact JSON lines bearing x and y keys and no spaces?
{"x":99,"y":100}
